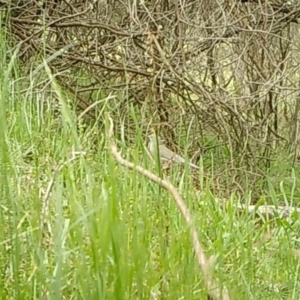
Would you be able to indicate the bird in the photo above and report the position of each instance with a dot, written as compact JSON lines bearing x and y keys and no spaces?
{"x":166,"y":155}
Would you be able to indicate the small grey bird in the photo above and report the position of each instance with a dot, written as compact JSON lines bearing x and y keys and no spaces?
{"x":166,"y":155}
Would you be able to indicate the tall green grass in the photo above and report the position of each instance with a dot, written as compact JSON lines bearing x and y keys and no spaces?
{"x":109,"y":232}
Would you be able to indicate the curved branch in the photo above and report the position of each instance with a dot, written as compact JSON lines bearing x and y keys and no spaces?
{"x":205,"y":264}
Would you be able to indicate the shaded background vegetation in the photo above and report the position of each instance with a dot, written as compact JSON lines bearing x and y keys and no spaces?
{"x":224,"y":73}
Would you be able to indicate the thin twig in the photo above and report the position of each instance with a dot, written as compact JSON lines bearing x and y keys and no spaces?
{"x":93,"y":105}
{"x":45,"y":199}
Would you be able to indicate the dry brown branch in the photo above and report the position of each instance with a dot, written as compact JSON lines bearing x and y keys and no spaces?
{"x":203,"y":262}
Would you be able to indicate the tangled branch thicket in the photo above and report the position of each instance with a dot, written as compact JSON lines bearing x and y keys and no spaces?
{"x":226,"y":70}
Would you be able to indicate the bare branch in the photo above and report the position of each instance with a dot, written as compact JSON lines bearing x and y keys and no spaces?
{"x":204,"y":264}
